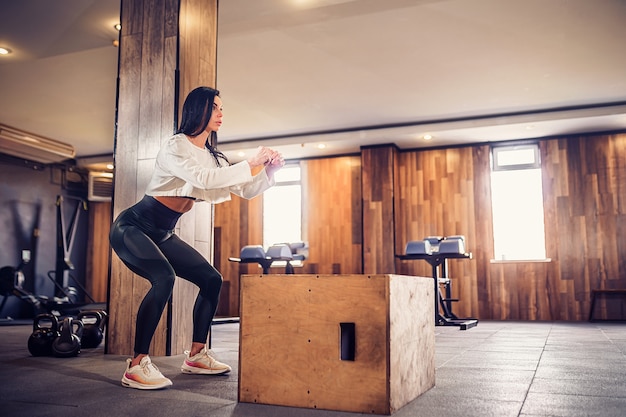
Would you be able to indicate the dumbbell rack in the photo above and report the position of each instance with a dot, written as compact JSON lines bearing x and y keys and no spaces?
{"x":443,"y":306}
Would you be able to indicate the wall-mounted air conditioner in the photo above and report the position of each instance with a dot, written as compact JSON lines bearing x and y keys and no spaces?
{"x":100,"y":186}
{"x":33,"y":147}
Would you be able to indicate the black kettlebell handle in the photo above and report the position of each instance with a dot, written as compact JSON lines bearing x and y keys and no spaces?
{"x":77,"y":327}
{"x":93,"y":328}
{"x":54,"y":322}
{"x":70,"y":327}
{"x":105,"y":319}
{"x":89,"y":315}
{"x":68,"y":343}
{"x":43,"y":336}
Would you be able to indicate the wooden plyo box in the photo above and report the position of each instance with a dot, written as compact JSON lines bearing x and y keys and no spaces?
{"x":359,"y":343}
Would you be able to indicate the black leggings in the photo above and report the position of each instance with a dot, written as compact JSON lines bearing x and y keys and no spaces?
{"x":143,"y":239}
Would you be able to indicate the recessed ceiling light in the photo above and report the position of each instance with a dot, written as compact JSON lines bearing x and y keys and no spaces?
{"x":117,"y":26}
{"x":427,"y":137}
{"x":321,"y":146}
{"x":4,"y":51}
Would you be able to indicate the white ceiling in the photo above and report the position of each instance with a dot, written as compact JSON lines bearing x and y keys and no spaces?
{"x":346,"y":73}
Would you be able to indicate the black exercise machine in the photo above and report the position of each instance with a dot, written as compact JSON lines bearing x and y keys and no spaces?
{"x":436,"y":251}
{"x":60,"y":276}
{"x":277,"y":253}
{"x":12,"y":283}
{"x":66,"y":298}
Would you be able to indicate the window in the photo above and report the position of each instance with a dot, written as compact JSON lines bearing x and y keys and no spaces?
{"x":517,"y":203}
{"x":282,"y":207}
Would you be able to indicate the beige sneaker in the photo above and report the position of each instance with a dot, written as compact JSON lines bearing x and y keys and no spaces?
{"x":203,"y":363}
{"x":144,"y":376}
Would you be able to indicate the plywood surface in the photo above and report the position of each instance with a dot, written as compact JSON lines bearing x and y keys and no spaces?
{"x":290,"y":341}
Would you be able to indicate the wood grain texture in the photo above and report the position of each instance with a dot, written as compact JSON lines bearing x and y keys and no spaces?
{"x":149,"y":53}
{"x":290,"y":341}
{"x":435,"y":196}
{"x":584,"y":181}
{"x":331,"y":207}
{"x":197,"y":50}
{"x":332,"y":225}
{"x":238,"y":223}
{"x":122,"y":300}
{"x":377,"y":165}
{"x":98,"y":250}
{"x":411,"y":338}
{"x":583,"y":185}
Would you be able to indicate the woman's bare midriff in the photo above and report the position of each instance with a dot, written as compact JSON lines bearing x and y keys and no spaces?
{"x":179,"y":204}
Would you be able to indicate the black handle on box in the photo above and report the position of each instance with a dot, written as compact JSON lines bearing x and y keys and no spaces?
{"x":348,"y":341}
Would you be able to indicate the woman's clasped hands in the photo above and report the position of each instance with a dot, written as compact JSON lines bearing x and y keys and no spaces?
{"x":269,"y":158}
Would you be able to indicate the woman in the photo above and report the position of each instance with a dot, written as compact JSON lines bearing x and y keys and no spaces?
{"x":188,"y":168}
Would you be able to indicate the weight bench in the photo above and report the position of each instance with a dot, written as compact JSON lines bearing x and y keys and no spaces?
{"x":599,"y":292}
{"x":286,"y":252}
{"x":436,"y":251}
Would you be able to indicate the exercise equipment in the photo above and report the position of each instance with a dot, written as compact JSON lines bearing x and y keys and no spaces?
{"x":436,"y":250}
{"x":452,"y":244}
{"x":94,"y":322}
{"x":67,"y":298}
{"x":11,"y":284}
{"x":9,"y":279}
{"x":278,"y":252}
{"x":60,"y":276}
{"x":299,"y":253}
{"x":67,"y":344}
{"x":45,"y":332}
{"x":254,"y":254}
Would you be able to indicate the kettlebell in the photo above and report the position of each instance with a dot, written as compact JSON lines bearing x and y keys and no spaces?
{"x":68,"y":342}
{"x":105,"y":320}
{"x":93,"y":325}
{"x":40,"y":341}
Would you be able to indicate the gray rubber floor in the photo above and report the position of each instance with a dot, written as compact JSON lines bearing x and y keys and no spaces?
{"x":494,"y":369}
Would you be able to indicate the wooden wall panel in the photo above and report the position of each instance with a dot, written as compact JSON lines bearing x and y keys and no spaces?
{"x":482,"y":245}
{"x":332,"y":219}
{"x":447,"y":191}
{"x":331,"y":215}
{"x":98,"y":250}
{"x":435,"y":196}
{"x":238,"y":223}
{"x":518,"y":291}
{"x":583,"y":180}
{"x":378,"y":193}
{"x":584,"y":184}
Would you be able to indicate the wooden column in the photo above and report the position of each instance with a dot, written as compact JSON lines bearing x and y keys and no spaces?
{"x":167,"y":48}
{"x":377,"y":165}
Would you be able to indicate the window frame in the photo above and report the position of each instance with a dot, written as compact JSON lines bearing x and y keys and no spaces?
{"x":282,"y":184}
{"x":496,"y":150}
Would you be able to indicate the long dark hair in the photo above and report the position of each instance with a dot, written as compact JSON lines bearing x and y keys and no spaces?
{"x":197,"y":111}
